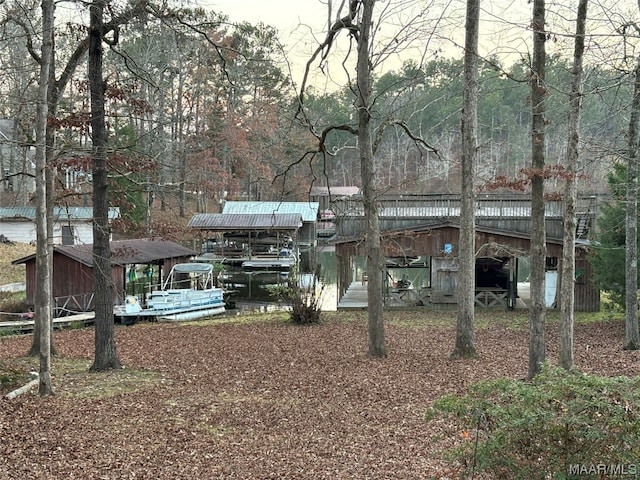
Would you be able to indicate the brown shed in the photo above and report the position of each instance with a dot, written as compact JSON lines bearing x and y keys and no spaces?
{"x":73,"y":270}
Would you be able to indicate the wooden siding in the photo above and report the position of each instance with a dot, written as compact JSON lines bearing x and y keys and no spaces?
{"x":586,"y":294}
{"x":432,"y":241}
{"x":444,"y":280}
{"x":73,"y":278}
{"x":19,"y":231}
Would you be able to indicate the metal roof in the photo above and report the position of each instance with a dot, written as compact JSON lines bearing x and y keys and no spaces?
{"x":308,"y":210}
{"x":124,"y":252}
{"x":66,"y":213}
{"x":225,"y":222}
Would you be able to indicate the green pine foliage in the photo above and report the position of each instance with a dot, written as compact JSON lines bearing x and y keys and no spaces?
{"x":560,"y":425}
{"x":608,"y":252}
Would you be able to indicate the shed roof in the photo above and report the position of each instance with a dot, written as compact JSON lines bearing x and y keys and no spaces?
{"x":308,"y":210}
{"x":244,"y":221}
{"x":124,"y":252}
{"x":429,"y":227}
{"x":67,"y":213}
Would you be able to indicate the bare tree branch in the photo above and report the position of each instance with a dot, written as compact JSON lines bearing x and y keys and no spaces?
{"x":323,"y":49}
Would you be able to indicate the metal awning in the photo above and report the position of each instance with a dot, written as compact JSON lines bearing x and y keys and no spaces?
{"x":195,"y":267}
{"x":225,"y":222}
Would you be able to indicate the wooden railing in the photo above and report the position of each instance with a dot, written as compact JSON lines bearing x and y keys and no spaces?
{"x":448,"y":205}
{"x":508,"y":212}
{"x":73,"y":304}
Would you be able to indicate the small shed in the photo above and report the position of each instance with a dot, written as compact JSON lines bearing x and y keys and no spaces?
{"x":71,"y":225}
{"x":73,"y":286}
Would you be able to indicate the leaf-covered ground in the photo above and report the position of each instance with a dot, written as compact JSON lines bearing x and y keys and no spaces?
{"x":267,"y":400}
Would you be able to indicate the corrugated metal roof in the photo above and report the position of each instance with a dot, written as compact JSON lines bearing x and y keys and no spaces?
{"x":245,"y":221}
{"x":124,"y":252}
{"x":308,"y":210}
{"x":75,"y":213}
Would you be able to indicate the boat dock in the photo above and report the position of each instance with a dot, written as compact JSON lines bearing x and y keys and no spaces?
{"x":356,"y":298}
{"x":27,"y":325}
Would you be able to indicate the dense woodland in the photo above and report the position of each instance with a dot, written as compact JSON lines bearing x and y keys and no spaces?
{"x":179,"y":107}
{"x":200,"y":110}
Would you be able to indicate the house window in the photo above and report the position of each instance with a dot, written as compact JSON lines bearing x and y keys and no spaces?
{"x":67,"y":235}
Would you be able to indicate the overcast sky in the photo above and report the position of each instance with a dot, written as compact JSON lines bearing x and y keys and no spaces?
{"x":282,"y":14}
{"x":295,"y":18}
{"x":504,"y":27}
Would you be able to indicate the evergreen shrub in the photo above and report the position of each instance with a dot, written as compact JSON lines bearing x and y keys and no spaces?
{"x":561,"y":425}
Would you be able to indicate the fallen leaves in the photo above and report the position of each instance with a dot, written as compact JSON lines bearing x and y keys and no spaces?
{"x":266,"y":400}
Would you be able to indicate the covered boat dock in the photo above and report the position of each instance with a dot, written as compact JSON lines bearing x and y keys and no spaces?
{"x":254,"y":240}
{"x":426,"y":227}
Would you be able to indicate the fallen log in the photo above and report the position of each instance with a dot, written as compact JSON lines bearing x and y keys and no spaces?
{"x":23,"y":389}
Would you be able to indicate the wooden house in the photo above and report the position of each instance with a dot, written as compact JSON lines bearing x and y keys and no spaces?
{"x":73,"y":286}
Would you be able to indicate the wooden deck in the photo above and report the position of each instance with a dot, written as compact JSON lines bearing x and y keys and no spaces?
{"x":356,"y":298}
{"x":27,"y":325}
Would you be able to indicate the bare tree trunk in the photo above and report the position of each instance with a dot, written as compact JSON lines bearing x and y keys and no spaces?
{"x":105,"y":345}
{"x":49,"y":201}
{"x":52,"y":101}
{"x":179,"y":147}
{"x":377,"y":347}
{"x":631,"y":334}
{"x":43,"y":281}
{"x":537,"y":351}
{"x":567,"y":281}
{"x":56,"y":87}
{"x":465,"y":335}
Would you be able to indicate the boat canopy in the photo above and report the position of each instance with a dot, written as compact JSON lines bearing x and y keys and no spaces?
{"x":200,"y":268}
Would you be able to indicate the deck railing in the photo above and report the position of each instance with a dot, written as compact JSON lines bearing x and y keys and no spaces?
{"x":72,"y":304}
{"x":448,"y":205}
